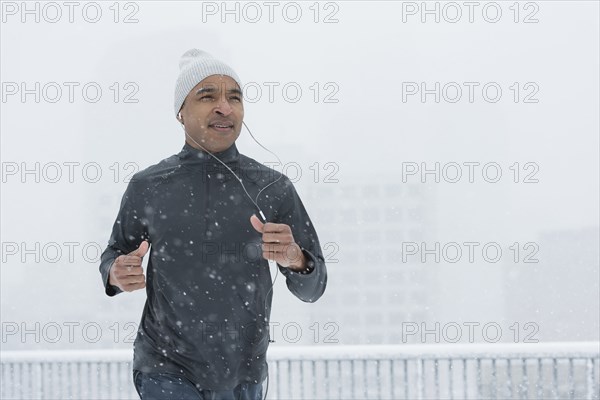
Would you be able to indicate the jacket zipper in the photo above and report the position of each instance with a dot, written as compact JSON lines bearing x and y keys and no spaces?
{"x":206,"y":178}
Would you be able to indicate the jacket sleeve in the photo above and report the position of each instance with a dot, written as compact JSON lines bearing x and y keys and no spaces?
{"x":128,"y":232}
{"x":308,"y":287}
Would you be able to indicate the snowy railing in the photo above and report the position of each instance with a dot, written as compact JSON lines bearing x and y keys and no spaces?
{"x":456,"y":371}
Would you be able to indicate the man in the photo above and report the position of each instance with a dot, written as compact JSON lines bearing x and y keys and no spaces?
{"x":204,"y":329}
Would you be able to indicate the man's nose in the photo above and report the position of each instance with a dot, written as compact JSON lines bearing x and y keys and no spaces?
{"x":223,"y":107}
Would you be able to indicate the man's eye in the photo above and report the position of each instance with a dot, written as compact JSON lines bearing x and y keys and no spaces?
{"x":236,"y":98}
{"x":206,"y":97}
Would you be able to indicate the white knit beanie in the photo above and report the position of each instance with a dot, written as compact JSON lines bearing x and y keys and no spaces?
{"x":194,"y":66}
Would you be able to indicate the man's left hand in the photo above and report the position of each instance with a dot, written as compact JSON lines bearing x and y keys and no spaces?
{"x":279,"y":245}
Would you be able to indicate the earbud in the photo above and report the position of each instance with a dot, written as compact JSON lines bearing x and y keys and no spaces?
{"x":180,"y":118}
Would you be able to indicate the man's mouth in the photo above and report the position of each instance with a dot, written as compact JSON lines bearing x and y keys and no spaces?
{"x":222,"y":126}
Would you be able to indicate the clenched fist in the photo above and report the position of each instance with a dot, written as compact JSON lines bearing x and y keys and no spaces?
{"x":126,"y":272}
{"x":279,"y":245}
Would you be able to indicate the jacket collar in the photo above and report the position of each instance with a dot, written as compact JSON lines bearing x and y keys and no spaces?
{"x":190,"y":154}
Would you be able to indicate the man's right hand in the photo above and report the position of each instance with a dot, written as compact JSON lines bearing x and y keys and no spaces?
{"x":126,"y":272}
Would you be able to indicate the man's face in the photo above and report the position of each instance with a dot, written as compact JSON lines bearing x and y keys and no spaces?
{"x":213,"y":112}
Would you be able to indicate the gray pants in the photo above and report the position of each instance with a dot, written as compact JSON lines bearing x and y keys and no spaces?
{"x":177,"y":387}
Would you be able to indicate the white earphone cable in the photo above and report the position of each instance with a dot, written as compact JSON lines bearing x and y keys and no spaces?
{"x":254,"y":201}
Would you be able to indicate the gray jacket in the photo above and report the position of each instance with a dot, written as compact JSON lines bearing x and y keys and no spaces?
{"x":208,"y":288}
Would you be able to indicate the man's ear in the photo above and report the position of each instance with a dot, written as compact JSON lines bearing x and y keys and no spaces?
{"x":180,"y":118}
